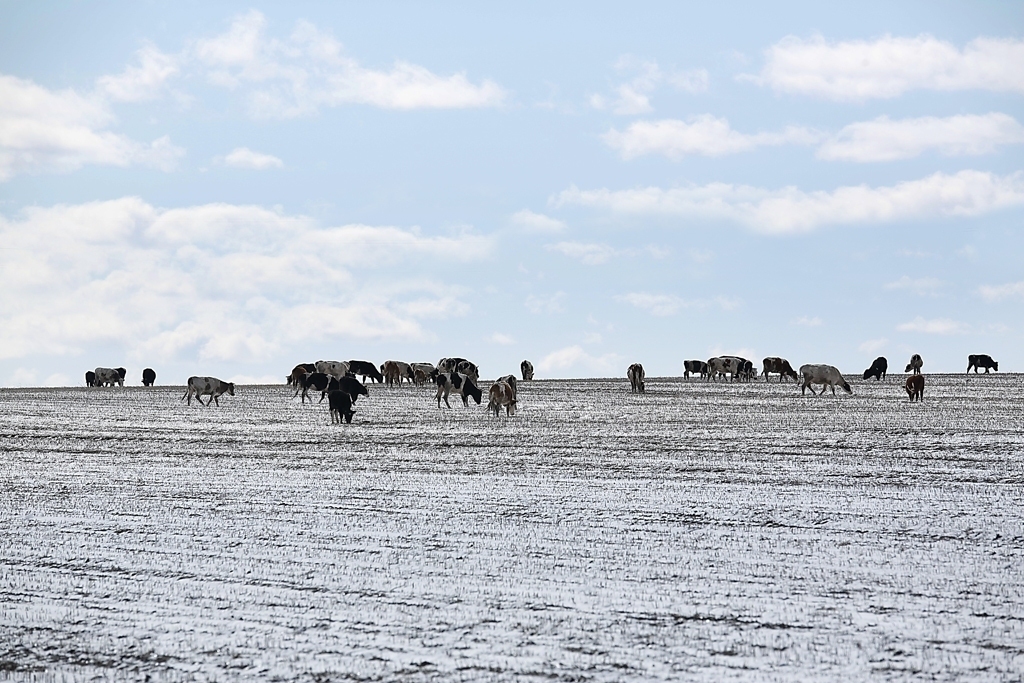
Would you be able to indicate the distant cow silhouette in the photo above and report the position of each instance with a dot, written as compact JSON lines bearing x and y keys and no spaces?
{"x":915,"y":387}
{"x":981,"y":360}
{"x":878,"y":369}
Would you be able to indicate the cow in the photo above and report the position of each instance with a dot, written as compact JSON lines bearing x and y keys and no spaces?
{"x":635,"y":373}
{"x":697,"y":367}
{"x":915,"y":364}
{"x":334,"y":368}
{"x":391,"y":372}
{"x":735,"y":366}
{"x":448,"y":364}
{"x":325,"y":383}
{"x":915,"y":387}
{"x":981,"y":361}
{"x":90,"y":378}
{"x":501,"y":394}
{"x":463,"y":385}
{"x":526,"y":367}
{"x":459,"y":365}
{"x":207,"y":386}
{"x":365,"y":369}
{"x":404,"y":371}
{"x":340,"y":405}
{"x":298,"y":371}
{"x":825,"y":375}
{"x":747,"y":372}
{"x":148,"y":377}
{"x":423,"y":373}
{"x":108,"y":376}
{"x":878,"y":369}
{"x":512,"y":382}
{"x":780,"y":366}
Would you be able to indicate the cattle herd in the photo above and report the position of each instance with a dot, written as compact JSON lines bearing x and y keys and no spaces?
{"x":338,"y":382}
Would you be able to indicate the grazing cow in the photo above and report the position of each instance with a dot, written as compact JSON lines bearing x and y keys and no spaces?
{"x":404,"y":371}
{"x":423,"y":373}
{"x":915,"y":364}
{"x":780,"y":366}
{"x":878,"y":369}
{"x":298,"y":371}
{"x":635,"y":373}
{"x":392,"y":374}
{"x":526,"y":367}
{"x":915,"y":387}
{"x":512,"y":382}
{"x":334,"y":368}
{"x":365,"y":369}
{"x":323,"y":383}
{"x":90,"y":378}
{"x":734,"y":366}
{"x":148,"y":377}
{"x":341,"y":406}
{"x":747,"y":372}
{"x":463,"y":385}
{"x":825,"y":375}
{"x":469,"y":369}
{"x":501,"y":394}
{"x":697,"y":367}
{"x":109,"y":376}
{"x":207,"y":386}
{"x":981,"y":361}
{"x":448,"y":364}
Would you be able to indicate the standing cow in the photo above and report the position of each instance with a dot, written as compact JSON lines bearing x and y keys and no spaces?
{"x":697,"y":367}
{"x":463,"y":385}
{"x":526,"y":367}
{"x":365,"y":369}
{"x":109,"y":377}
{"x":915,"y":364}
{"x":340,"y":403}
{"x":207,"y":386}
{"x":878,"y":369}
{"x":635,"y":373}
{"x":780,"y":366}
{"x":502,"y":394}
{"x":90,"y":378}
{"x":981,"y":360}
{"x":915,"y":387}
{"x":148,"y":377}
{"x":825,"y":375}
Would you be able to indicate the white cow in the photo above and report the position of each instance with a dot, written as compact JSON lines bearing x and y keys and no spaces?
{"x":207,"y":386}
{"x":111,"y":376}
{"x":501,"y":394}
{"x":334,"y":368}
{"x":825,"y":375}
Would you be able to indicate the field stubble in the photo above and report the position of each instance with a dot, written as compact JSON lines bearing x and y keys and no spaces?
{"x":700,"y":531}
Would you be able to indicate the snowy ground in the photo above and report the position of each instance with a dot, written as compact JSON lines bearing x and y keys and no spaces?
{"x":699,"y":532}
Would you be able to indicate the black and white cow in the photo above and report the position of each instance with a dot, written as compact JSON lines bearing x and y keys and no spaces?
{"x":340,"y":403}
{"x":635,"y":374}
{"x":502,"y":394}
{"x":981,"y":360}
{"x":734,"y":366}
{"x":90,"y":378}
{"x":463,"y":385}
{"x":365,"y":369}
{"x":825,"y":375}
{"x":781,"y":366}
{"x":459,"y":365}
{"x":696,"y":367}
{"x":207,"y":386}
{"x":915,"y":364}
{"x":878,"y":369}
{"x":108,"y":377}
{"x":148,"y":377}
{"x":526,"y":367}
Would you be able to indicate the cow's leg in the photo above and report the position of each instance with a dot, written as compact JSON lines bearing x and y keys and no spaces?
{"x":322,"y":394}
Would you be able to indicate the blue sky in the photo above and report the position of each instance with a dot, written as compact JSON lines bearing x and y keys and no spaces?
{"x":229,"y":189}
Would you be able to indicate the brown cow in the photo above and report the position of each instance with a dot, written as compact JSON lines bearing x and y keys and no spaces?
{"x":915,"y":387}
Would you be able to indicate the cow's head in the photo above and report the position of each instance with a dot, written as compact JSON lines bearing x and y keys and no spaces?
{"x":995,"y":366}
{"x":473,"y":390}
{"x":846,"y":387}
{"x":231,"y":389}
{"x":348,"y":416}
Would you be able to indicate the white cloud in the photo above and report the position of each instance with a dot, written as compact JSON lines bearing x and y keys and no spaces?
{"x":243,"y":157}
{"x":666,"y":304}
{"x":216,"y":281}
{"x":46,"y":130}
{"x":806,"y":321}
{"x":545,"y":304}
{"x":575,"y":358}
{"x":143,"y":82}
{"x":890,"y":66}
{"x":536,"y":222}
{"x":1000,"y":292}
{"x":873,"y":345}
{"x":634,"y":96}
{"x":943,"y":326}
{"x":921,"y":286}
{"x":503,"y":339}
{"x":790,"y":210}
{"x":298,"y":75}
{"x":596,"y":254}
{"x":885,"y":140}
{"x":705,"y":135}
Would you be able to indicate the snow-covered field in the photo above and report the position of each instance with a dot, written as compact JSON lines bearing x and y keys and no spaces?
{"x":698,"y":532}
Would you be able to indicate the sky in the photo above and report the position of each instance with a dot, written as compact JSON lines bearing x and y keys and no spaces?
{"x":228,"y":189}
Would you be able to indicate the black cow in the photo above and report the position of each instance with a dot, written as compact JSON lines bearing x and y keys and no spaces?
{"x":878,"y":369}
{"x":982,"y":360}
{"x":365,"y":369}
{"x":325,"y":383}
{"x":915,"y":364}
{"x":122,"y":372}
{"x":298,"y":371}
{"x":148,"y":377}
{"x":90,"y":379}
{"x":697,"y":367}
{"x":341,"y":406}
